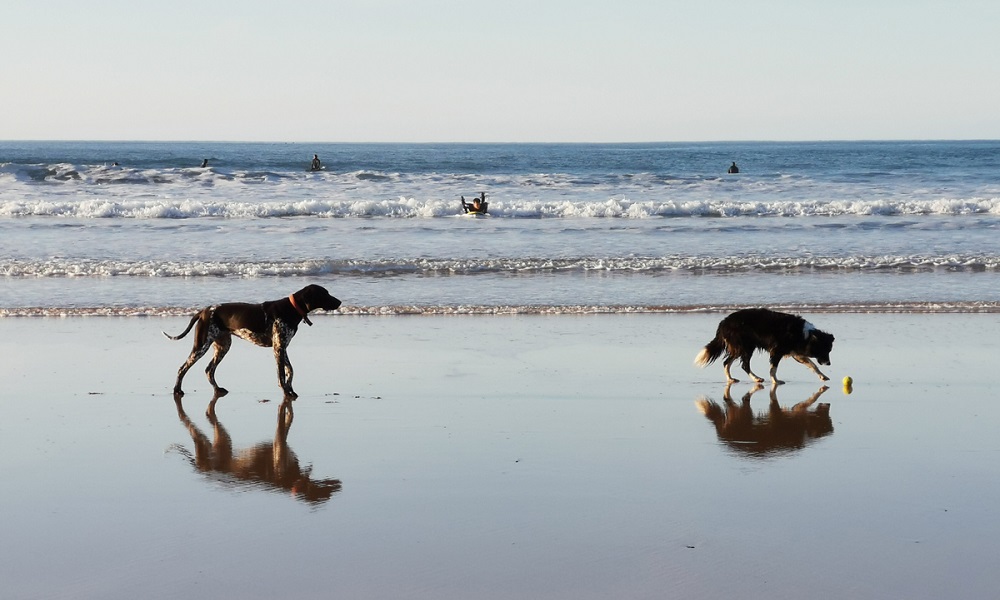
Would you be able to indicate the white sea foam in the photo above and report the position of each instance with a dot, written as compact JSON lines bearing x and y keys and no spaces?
{"x":404,"y":207}
{"x":526,"y":266}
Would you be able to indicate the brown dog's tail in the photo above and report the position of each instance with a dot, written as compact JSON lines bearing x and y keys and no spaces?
{"x":710,"y":352}
{"x":194,"y":320}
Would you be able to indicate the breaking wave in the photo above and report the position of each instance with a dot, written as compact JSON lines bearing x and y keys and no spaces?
{"x":693,"y":265}
{"x":414,"y":208}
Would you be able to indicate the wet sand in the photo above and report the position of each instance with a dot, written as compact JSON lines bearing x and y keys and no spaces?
{"x":499,"y":457}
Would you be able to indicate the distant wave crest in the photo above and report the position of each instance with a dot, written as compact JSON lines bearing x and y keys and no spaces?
{"x":108,"y":191}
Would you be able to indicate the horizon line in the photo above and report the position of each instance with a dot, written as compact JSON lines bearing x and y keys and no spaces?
{"x":498,"y":143}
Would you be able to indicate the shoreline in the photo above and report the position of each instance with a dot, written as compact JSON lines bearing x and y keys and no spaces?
{"x":917,"y":307}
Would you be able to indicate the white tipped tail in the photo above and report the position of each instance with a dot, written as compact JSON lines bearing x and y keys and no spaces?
{"x":703,"y":358}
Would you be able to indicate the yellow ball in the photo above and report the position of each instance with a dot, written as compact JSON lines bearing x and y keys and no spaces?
{"x":848,"y":381}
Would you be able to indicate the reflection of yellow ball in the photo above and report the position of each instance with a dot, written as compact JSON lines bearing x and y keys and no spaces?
{"x":848,"y":381}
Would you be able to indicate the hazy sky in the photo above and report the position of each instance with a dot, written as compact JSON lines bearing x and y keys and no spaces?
{"x":508,"y":70}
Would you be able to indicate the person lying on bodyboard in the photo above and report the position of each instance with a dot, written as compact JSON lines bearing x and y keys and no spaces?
{"x":478,"y":205}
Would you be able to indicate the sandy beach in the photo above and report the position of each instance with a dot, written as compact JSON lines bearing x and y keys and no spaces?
{"x":499,"y":457}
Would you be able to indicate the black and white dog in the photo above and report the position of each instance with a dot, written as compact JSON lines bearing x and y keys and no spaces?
{"x":745,"y":331}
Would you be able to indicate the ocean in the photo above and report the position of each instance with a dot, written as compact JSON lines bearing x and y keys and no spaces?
{"x":444,"y":456}
{"x":140,"y":228}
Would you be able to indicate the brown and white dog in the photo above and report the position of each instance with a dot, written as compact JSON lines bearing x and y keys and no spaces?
{"x":270,"y":324}
{"x":745,"y":331}
{"x":270,"y":465}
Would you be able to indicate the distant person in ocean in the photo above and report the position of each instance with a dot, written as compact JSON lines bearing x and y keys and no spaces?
{"x":204,"y":164}
{"x":478,"y":205}
{"x":316,"y":165}
{"x":733,"y":168}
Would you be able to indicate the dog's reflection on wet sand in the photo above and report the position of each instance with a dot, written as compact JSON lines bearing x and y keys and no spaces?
{"x":270,"y":465}
{"x":779,"y":430}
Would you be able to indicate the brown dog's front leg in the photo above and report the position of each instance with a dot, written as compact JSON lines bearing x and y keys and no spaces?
{"x":285,"y":373}
{"x":279,"y":340}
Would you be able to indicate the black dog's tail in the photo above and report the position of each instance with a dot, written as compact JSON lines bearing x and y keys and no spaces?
{"x":194,"y":320}
{"x":710,"y":352}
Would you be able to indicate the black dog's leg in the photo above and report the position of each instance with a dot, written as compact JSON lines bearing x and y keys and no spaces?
{"x":725,"y":367}
{"x":775,"y":359}
{"x":745,"y":363}
{"x":812,"y":367}
{"x":222,"y":344}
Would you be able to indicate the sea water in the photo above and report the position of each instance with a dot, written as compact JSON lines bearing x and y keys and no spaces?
{"x":141,"y":228}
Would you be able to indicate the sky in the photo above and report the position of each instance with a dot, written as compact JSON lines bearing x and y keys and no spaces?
{"x":503,"y":71}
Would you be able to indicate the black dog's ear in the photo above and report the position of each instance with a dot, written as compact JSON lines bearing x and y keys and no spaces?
{"x":821,"y":336}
